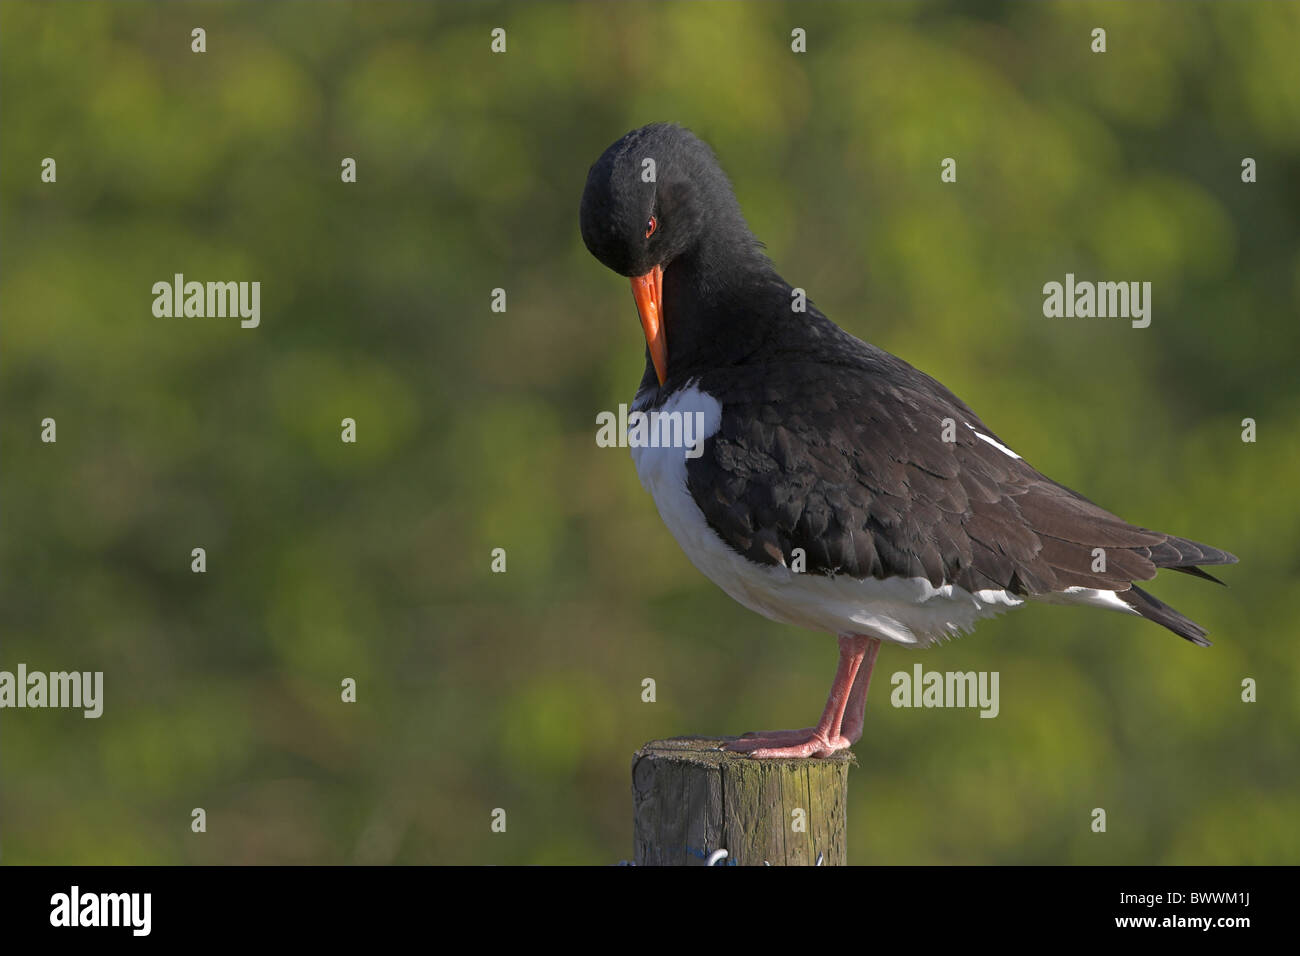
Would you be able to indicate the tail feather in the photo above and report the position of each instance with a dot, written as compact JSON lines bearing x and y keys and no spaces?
{"x":1196,"y":572}
{"x":1153,"y":609}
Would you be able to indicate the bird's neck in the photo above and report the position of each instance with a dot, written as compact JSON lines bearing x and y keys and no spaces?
{"x":720,"y":300}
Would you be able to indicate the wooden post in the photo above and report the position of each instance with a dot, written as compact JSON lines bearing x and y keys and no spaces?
{"x":690,"y":799}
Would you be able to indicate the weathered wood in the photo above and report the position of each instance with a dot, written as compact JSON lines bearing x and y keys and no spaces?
{"x":690,"y":799}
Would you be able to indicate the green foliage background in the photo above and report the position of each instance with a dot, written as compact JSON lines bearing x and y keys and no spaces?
{"x":476,"y":430}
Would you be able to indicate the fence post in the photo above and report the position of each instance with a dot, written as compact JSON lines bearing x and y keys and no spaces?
{"x":691,"y":799}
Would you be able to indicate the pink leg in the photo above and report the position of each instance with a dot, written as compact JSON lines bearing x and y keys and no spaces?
{"x":855,"y":712}
{"x":848,"y":696}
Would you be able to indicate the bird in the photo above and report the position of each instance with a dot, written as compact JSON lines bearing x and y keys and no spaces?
{"x":836,"y":487}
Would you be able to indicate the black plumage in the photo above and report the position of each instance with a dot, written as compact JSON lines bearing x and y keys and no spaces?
{"x":866,"y":485}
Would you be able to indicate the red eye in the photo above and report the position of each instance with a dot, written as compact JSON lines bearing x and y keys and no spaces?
{"x":650,"y":226}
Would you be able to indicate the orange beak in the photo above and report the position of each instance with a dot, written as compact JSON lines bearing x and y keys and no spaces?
{"x":648,"y":290}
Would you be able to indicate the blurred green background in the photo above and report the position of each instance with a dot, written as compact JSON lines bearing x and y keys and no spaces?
{"x":476,"y":429}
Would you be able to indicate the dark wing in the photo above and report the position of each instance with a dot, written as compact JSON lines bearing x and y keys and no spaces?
{"x":859,"y":475}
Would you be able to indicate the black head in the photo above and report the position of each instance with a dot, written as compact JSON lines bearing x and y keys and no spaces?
{"x":659,"y":209}
{"x":652,"y":197}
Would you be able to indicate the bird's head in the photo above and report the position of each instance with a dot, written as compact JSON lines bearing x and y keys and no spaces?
{"x":651,"y":199}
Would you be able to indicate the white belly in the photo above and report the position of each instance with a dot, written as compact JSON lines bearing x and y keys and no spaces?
{"x":903,"y":610}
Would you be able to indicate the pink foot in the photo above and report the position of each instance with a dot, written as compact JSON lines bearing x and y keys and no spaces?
{"x":809,"y":742}
{"x":796,"y":744}
{"x":841,"y":723}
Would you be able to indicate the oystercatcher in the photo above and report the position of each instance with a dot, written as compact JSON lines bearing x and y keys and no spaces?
{"x":838,"y":487}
